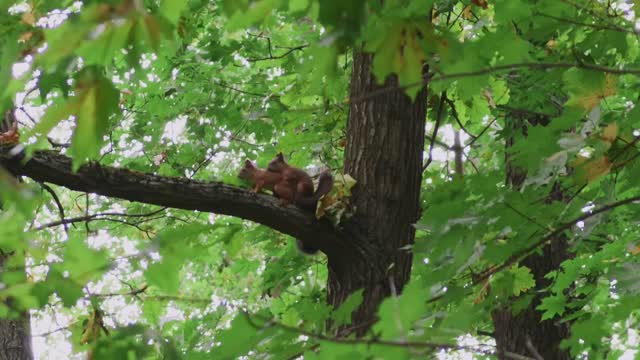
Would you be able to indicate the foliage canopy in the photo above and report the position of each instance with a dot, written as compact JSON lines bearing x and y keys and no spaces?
{"x":192,"y":88}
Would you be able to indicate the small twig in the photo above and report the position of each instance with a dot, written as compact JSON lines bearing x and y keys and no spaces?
{"x":26,"y":95}
{"x":97,"y":216}
{"x":435,"y":130}
{"x":533,"y":350}
{"x":559,"y":230}
{"x":63,"y":328}
{"x":271,"y":57}
{"x":593,"y":26}
{"x":588,"y":10}
{"x":525,"y":111}
{"x":454,"y":113}
{"x":178,"y":298}
{"x":458,"y":151}
{"x":228,"y":87}
{"x":373,"y":341}
{"x":473,"y":141}
{"x":627,"y":147}
{"x":472,"y":163}
{"x":133,"y":292}
{"x":53,"y":194}
{"x":525,"y":216}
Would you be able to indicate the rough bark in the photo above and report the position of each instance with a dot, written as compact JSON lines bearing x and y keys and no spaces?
{"x":385,"y":142}
{"x":15,"y":339}
{"x":15,"y":333}
{"x":526,"y":333}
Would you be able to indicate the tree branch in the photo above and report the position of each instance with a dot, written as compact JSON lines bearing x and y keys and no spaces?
{"x":593,"y":26}
{"x":559,"y":229}
{"x":272,"y":57}
{"x":267,"y":323}
{"x":53,"y":194}
{"x":181,"y":193}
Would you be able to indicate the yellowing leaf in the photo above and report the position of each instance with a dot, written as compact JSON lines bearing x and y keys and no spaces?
{"x":610,"y":85}
{"x":399,"y":51}
{"x":588,"y":88}
{"x":28,"y":18}
{"x":466,"y":13}
{"x":610,"y":133}
{"x":551,"y":45}
{"x":589,"y":170}
{"x":26,"y":36}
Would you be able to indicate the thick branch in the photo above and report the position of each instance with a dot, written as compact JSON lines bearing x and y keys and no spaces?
{"x":181,"y":193}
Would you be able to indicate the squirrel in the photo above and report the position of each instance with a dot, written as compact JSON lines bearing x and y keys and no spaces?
{"x":290,"y":184}
{"x":273,"y":181}
{"x":299,"y":186}
{"x":9,"y":129}
{"x":259,"y":178}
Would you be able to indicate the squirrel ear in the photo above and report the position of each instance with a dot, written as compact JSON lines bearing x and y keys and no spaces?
{"x":248,"y":163}
{"x":280,"y":156}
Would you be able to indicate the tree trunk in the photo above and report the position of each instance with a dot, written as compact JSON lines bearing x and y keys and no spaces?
{"x":525,"y":333}
{"x":385,"y":142}
{"x":15,"y":334}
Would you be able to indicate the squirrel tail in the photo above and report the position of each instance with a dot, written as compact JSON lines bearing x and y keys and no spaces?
{"x":325,"y":184}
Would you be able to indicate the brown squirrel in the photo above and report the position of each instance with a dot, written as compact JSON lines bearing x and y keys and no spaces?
{"x":259,"y":178}
{"x":9,"y":129}
{"x":290,"y":184}
{"x":273,"y":181}
{"x":299,"y":186}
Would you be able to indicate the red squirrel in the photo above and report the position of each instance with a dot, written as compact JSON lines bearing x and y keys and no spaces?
{"x":259,"y":178}
{"x":290,"y":184}
{"x":297,"y":186}
{"x":9,"y":129}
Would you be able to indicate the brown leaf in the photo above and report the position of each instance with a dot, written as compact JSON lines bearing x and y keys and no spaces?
{"x":610,"y":133}
{"x":28,"y":18}
{"x":481,"y":3}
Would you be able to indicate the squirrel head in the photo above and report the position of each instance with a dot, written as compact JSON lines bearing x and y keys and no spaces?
{"x":277,"y":164}
{"x":247,"y":170}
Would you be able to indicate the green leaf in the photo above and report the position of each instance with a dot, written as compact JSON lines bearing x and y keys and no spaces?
{"x":165,"y":275}
{"x":96,"y":101}
{"x":129,"y":342}
{"x":256,"y":11}
{"x":523,"y":280}
{"x":552,"y":306}
{"x":240,"y":338}
{"x":508,"y":11}
{"x":67,"y":289}
{"x":172,"y":9}
{"x":81,"y":262}
{"x":343,"y":314}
